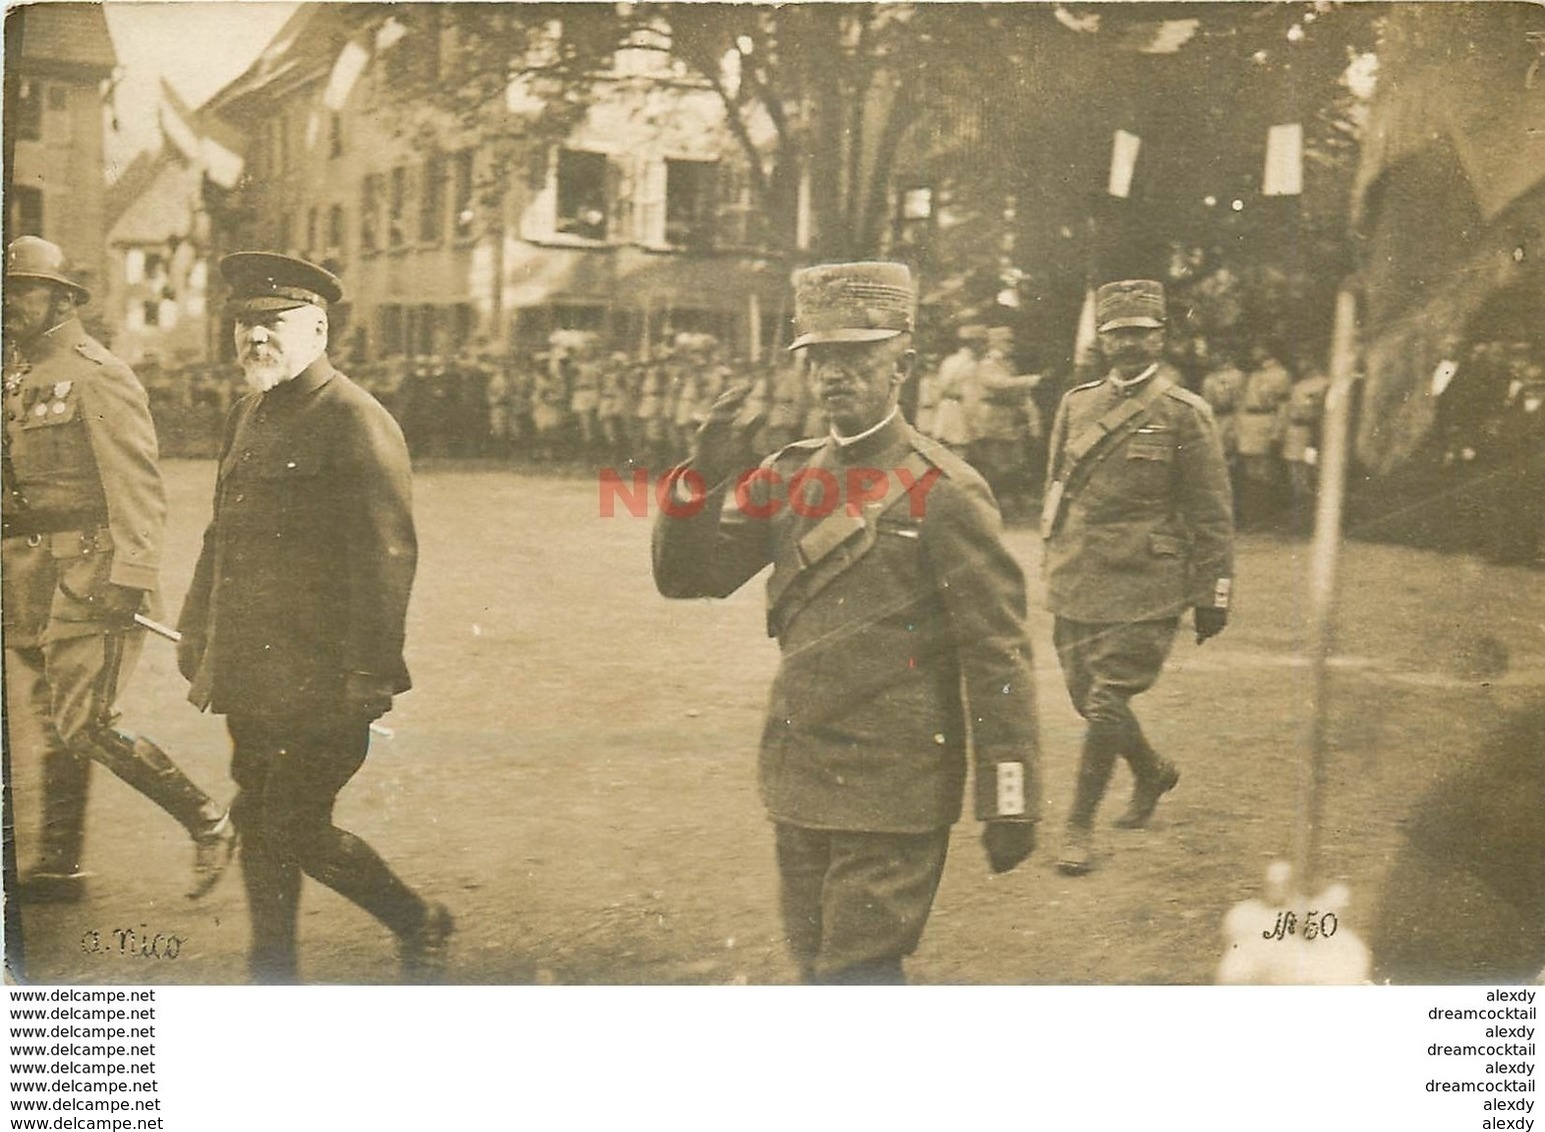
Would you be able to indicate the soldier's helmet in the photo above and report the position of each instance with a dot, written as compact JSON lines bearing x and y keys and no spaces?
{"x":1130,"y":302}
{"x":32,"y":257}
{"x":853,"y":302}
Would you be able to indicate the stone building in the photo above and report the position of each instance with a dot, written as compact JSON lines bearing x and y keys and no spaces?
{"x":58,"y":60}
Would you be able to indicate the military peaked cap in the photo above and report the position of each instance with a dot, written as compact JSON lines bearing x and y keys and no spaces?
{"x":852,"y":302}
{"x":265,"y":281}
{"x":1130,"y":302}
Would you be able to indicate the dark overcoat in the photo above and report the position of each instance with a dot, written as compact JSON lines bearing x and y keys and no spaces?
{"x":307,"y":565}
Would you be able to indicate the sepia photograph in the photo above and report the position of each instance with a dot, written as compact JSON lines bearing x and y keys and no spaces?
{"x":756,"y":495}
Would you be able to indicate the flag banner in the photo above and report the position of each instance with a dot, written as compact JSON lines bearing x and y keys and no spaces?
{"x":347,"y":69}
{"x":1084,"y":340}
{"x":1284,"y":176}
{"x":1123,"y":161}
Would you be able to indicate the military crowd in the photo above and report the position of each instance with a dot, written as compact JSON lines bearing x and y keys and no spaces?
{"x":898,"y":608}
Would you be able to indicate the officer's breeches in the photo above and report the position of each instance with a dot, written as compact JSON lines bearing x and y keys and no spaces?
{"x":84,"y":674}
{"x":1105,"y":665}
{"x":854,"y":903}
{"x":65,"y":777}
{"x":289,"y":774}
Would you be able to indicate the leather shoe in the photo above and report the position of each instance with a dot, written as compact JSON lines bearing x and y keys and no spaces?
{"x":1076,"y":857}
{"x":212,"y":853}
{"x":43,"y":887}
{"x":423,"y":951}
{"x":1146,"y":795}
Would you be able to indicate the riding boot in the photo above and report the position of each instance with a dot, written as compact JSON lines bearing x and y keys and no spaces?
{"x":1094,"y":771}
{"x":1153,"y":777}
{"x":148,"y":769}
{"x":66,"y":780}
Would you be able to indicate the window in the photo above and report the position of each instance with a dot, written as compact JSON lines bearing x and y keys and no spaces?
{"x":426,"y":331}
{"x":397,"y":207}
{"x":582,"y":194}
{"x":389,"y":334}
{"x":58,"y":96}
{"x":28,"y":109}
{"x":278,"y":145}
{"x":431,"y":202}
{"x":313,"y":233}
{"x":282,"y":238}
{"x":25,"y":212}
{"x":690,"y":202}
{"x":335,"y":228}
{"x":463,"y":323}
{"x":151,"y":312}
{"x":739,"y":222}
{"x":369,"y":212}
{"x":335,"y":135}
{"x":462,"y":186}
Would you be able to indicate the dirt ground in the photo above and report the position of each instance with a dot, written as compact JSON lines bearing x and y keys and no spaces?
{"x":574,"y":771}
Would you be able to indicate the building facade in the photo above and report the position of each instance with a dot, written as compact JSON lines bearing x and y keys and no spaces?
{"x":58,"y":61}
{"x":452,"y":234}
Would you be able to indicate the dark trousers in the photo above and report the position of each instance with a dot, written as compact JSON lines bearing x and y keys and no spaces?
{"x":288,"y":775}
{"x":1104,"y":666}
{"x":854,"y":903}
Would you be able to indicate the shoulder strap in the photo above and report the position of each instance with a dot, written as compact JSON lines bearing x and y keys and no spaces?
{"x":827,"y":549}
{"x":1083,"y":453}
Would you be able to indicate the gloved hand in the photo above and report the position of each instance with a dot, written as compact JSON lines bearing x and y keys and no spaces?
{"x":118,"y":604}
{"x":367,"y":695}
{"x":1209,"y":622}
{"x":1007,"y":843}
{"x":190,"y":651}
{"x":722,"y":446}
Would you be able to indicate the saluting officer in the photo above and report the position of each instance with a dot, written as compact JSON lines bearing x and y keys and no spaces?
{"x":85,"y":517}
{"x":1138,"y":528}
{"x":293,"y":625}
{"x":898,"y":611}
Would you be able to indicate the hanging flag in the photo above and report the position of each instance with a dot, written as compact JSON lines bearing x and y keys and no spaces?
{"x":1123,"y":161}
{"x":1084,"y":340}
{"x":347,"y":69}
{"x":1284,"y":176}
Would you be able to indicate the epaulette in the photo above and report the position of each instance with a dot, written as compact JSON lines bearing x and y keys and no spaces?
{"x":940,"y":456}
{"x":1184,"y":395}
{"x":94,"y":351}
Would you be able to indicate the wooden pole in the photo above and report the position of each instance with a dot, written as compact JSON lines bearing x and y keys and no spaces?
{"x":1324,"y":560}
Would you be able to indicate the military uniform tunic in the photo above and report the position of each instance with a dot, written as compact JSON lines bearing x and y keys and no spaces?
{"x":1145,"y":530}
{"x":901,"y":624}
{"x":866,"y":727}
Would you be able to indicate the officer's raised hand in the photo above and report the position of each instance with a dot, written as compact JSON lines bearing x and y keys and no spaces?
{"x":1007,"y":843}
{"x":723,"y":445}
{"x":1209,"y":622}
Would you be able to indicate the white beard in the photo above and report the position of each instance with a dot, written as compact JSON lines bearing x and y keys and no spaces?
{"x":264,"y":375}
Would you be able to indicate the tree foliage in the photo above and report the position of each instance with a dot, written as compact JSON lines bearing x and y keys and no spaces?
{"x":1003,"y":112}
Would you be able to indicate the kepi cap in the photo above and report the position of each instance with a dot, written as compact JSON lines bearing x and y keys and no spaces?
{"x":32,"y":257}
{"x":1130,"y":302}
{"x":852,"y":302}
{"x":266,"y":281}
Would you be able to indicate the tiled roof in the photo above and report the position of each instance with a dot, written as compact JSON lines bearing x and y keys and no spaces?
{"x":67,"y":33}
